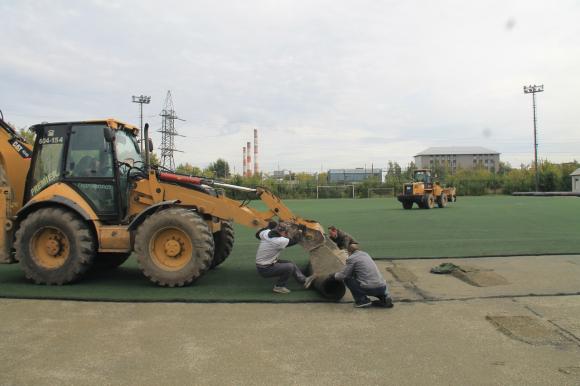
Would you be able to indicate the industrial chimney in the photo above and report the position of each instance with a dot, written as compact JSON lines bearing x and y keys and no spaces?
{"x":244,"y":171}
{"x":249,"y":158}
{"x":256,"y":152}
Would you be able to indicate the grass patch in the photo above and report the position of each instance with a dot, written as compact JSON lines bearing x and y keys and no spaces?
{"x":473,"y":226}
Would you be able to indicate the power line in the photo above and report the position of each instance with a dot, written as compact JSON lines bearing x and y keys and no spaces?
{"x":168,"y":133}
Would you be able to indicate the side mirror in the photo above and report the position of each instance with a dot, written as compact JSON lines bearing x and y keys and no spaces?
{"x":150,"y":145}
{"x":109,"y":134}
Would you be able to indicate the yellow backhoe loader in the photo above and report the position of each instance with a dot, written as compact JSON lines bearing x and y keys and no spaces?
{"x":84,"y":195}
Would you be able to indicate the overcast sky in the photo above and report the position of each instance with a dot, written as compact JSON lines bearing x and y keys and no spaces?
{"x":328,"y":84}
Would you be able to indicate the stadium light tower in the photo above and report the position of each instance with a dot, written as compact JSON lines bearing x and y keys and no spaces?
{"x":533,"y":90}
{"x":141,"y":99}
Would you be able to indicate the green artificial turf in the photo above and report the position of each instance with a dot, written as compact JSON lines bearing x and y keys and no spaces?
{"x":473,"y":226}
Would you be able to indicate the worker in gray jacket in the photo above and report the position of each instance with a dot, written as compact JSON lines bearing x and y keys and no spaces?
{"x":363,"y":278}
{"x":273,"y":240}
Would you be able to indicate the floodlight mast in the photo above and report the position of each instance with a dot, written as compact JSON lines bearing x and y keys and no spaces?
{"x":533,"y":90}
{"x":141,"y":99}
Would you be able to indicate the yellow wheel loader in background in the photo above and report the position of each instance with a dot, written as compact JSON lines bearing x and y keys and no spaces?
{"x":83,"y":195}
{"x":425,"y":192}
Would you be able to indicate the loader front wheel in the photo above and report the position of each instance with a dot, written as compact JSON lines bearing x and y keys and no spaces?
{"x":223,"y":243}
{"x":428,"y":201}
{"x":407,"y":204}
{"x":442,"y":201}
{"x":54,"y":246}
{"x":174,"y":247}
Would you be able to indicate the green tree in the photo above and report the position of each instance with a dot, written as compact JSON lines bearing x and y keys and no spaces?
{"x":188,"y":169}
{"x":566,"y":181}
{"x":409,"y":171}
{"x":220,"y":168}
{"x":504,"y":168}
{"x":550,"y":176}
{"x":28,"y":135}
{"x":153,"y":159}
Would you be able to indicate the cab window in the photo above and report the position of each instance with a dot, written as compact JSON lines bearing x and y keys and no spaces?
{"x":127,"y":149}
{"x":89,"y":154}
{"x":48,"y":161}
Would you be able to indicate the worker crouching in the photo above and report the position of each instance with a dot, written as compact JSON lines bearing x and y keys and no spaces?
{"x":363,"y":278}
{"x":273,"y":240}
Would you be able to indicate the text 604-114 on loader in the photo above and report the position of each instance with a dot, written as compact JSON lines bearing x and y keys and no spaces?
{"x":425,"y":192}
{"x":84,"y":195}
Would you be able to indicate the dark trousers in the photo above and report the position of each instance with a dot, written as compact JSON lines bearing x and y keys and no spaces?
{"x":283,"y":269}
{"x":360,"y":294}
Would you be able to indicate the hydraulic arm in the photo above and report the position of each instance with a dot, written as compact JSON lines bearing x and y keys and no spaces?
{"x":14,"y":164}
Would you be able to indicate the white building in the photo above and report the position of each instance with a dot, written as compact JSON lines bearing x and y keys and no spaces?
{"x":575,"y":180}
{"x":455,"y":157}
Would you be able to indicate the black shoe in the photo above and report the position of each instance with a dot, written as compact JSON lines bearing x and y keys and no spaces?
{"x":363,"y":303}
{"x":383,"y":302}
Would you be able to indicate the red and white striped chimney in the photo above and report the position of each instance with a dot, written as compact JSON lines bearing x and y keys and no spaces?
{"x":255,"y":151}
{"x":249,"y":158}
{"x":244,"y":171}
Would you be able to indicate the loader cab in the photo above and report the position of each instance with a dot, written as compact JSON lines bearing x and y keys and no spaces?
{"x":423,"y":175}
{"x":86,"y":156}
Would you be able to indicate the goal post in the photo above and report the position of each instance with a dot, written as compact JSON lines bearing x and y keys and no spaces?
{"x":335,"y":191}
{"x":381,"y":192}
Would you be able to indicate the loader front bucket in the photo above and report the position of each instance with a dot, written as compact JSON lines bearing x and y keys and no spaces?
{"x":325,"y":258}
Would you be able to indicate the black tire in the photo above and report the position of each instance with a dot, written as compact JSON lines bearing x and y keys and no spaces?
{"x":174,"y":247}
{"x":442,"y":200}
{"x":54,"y":246}
{"x":223,"y":243}
{"x":110,"y":260}
{"x":407,"y":204}
{"x":428,"y":201}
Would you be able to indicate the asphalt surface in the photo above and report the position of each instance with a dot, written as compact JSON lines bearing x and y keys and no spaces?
{"x":500,"y":321}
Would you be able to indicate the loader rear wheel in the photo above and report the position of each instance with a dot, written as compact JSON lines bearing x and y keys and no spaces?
{"x":428,"y":201}
{"x":407,"y":204}
{"x":223,"y":243}
{"x":174,"y":247}
{"x":54,"y":246}
{"x":442,"y":201}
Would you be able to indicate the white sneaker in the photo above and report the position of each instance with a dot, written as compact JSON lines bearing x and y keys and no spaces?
{"x":309,"y":280}
{"x":281,"y":290}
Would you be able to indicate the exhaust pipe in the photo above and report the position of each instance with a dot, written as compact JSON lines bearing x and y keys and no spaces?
{"x":147,"y":150}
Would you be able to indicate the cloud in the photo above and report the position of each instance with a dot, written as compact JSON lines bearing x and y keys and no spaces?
{"x":331,"y":83}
